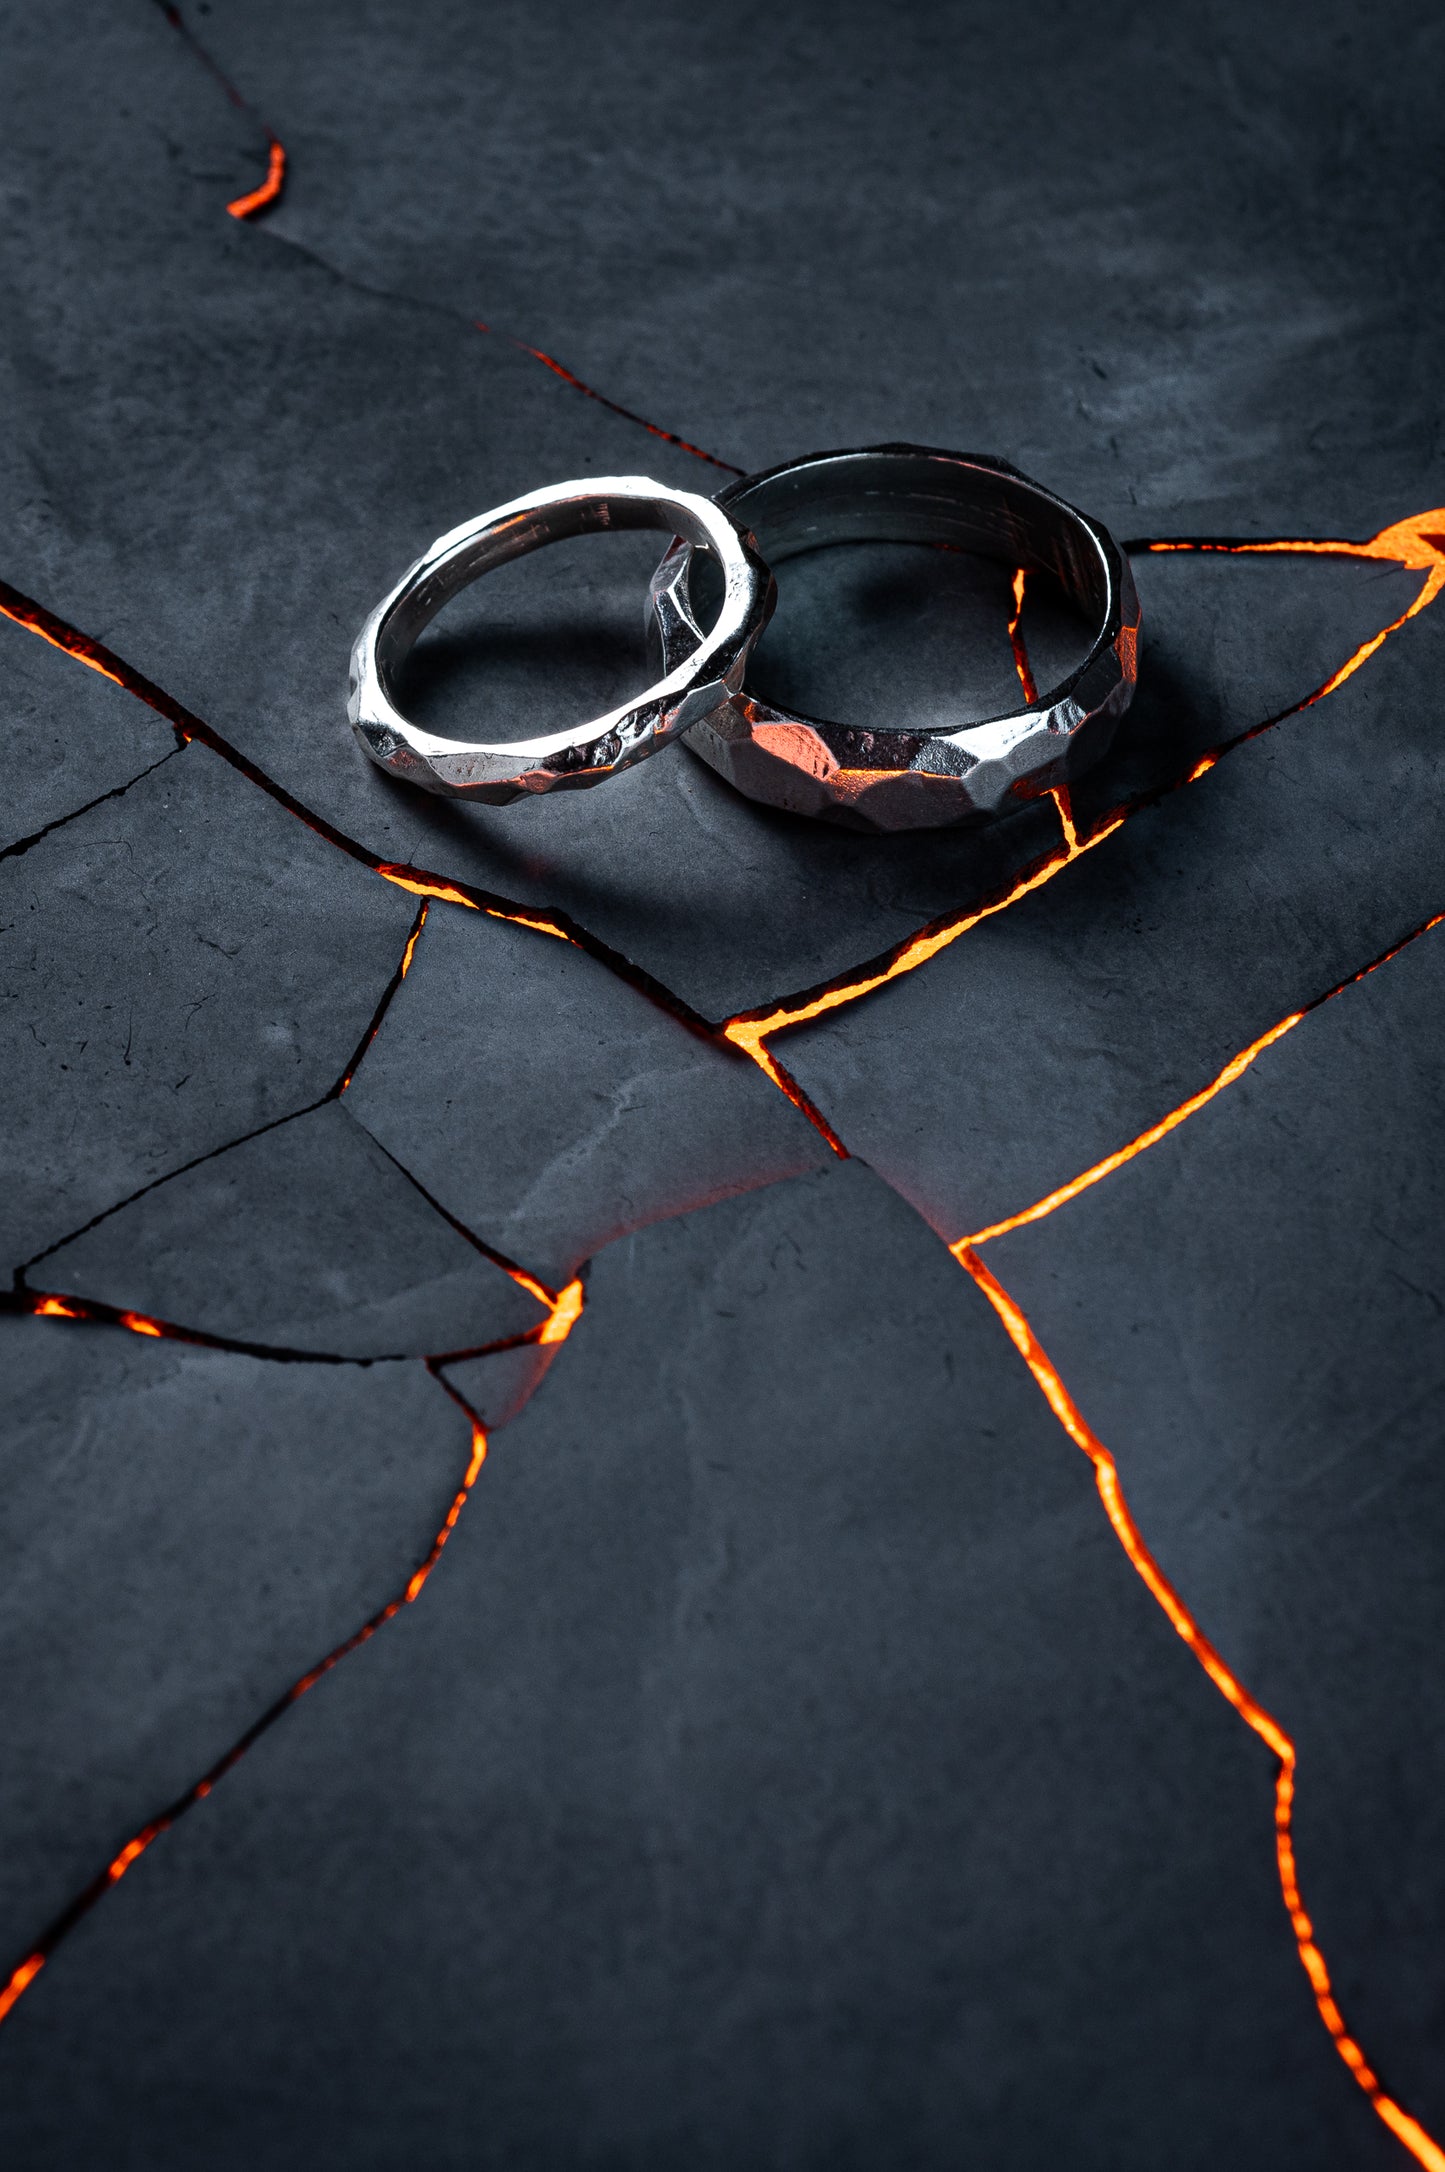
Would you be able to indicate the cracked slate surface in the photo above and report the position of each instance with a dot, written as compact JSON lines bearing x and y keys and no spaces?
{"x":1273,"y":1391}
{"x":1089,"y":1010}
{"x":306,"y":1238}
{"x":582,"y":1855}
{"x":891,"y":1647}
{"x":70,"y":737}
{"x":180,"y":965}
{"x":551,"y":1107}
{"x":184,"y":1533}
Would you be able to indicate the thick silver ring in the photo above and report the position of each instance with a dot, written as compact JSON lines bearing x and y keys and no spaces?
{"x":694,"y":685}
{"x":886,"y":777}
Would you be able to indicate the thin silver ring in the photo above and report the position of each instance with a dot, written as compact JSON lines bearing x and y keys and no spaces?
{"x":892,"y":777}
{"x":694,"y":687}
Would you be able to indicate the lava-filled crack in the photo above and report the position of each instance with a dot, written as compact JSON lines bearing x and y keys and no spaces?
{"x":1046,"y":1376}
{"x":564,"y":1305}
{"x":257,"y":200}
{"x":1106,"y":1476}
{"x":23,"y":611}
{"x":1016,"y":639}
{"x":567,"y":1305}
{"x":24,"y":1974}
{"x":1417,"y":543}
{"x":373,"y":1025}
{"x":1237,"y":1065}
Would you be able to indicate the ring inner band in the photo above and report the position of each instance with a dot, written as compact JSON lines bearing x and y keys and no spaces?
{"x":513,"y":537}
{"x":904,"y":496}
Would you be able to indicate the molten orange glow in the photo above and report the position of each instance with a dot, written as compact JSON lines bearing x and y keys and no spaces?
{"x":47,"y":1306}
{"x":749,"y":1029}
{"x":70,"y":643}
{"x":25,"y":1974}
{"x":1418,"y":543}
{"x":1016,"y":642}
{"x":1059,"y":794}
{"x":566,"y":1312}
{"x":1235,"y":1068}
{"x":411,"y":942}
{"x":387,"y":994}
{"x":1106,"y":1477}
{"x":246,"y":207}
{"x":20,"y":1981}
{"x":432,"y":886}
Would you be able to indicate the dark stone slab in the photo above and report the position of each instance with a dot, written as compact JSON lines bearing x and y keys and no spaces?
{"x":499,"y":1387}
{"x":551,"y":1107}
{"x":784,"y":1767}
{"x":1052,"y":1034}
{"x":1174,"y":265}
{"x":70,"y":737}
{"x":184,"y":1533}
{"x":1230,"y":642}
{"x":307,"y":1237}
{"x":1250,"y":1316}
{"x":180,"y":965}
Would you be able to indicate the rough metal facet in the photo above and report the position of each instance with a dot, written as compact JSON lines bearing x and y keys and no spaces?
{"x":885,"y":777}
{"x":694,"y":685}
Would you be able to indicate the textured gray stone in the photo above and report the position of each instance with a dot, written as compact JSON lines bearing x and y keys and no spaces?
{"x":783,"y":1767}
{"x":172,"y":976}
{"x":551,"y":1107}
{"x":1250,"y":1315}
{"x":184,"y":1533}
{"x":932,"y":224}
{"x":70,"y":736}
{"x":499,"y":1387}
{"x":307,"y":1237}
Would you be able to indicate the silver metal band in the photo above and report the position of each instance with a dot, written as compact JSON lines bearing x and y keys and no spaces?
{"x":696,"y":683}
{"x":885,"y":776}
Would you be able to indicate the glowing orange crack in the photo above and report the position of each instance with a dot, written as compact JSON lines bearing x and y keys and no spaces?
{"x":25,"y":1974}
{"x":388,"y":993}
{"x":1418,"y":543}
{"x":749,"y":1030}
{"x":1406,"y":2129}
{"x":1236,"y":1067}
{"x":1016,"y":641}
{"x":246,"y":207}
{"x":257,"y":199}
{"x":566,"y":1312}
{"x":35,"y":618}
{"x":565,"y":1309}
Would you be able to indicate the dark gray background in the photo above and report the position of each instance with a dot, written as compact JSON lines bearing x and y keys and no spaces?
{"x":784,"y":1766}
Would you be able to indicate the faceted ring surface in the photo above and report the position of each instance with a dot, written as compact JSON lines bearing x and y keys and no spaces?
{"x":694,"y":685}
{"x":888,"y":777}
